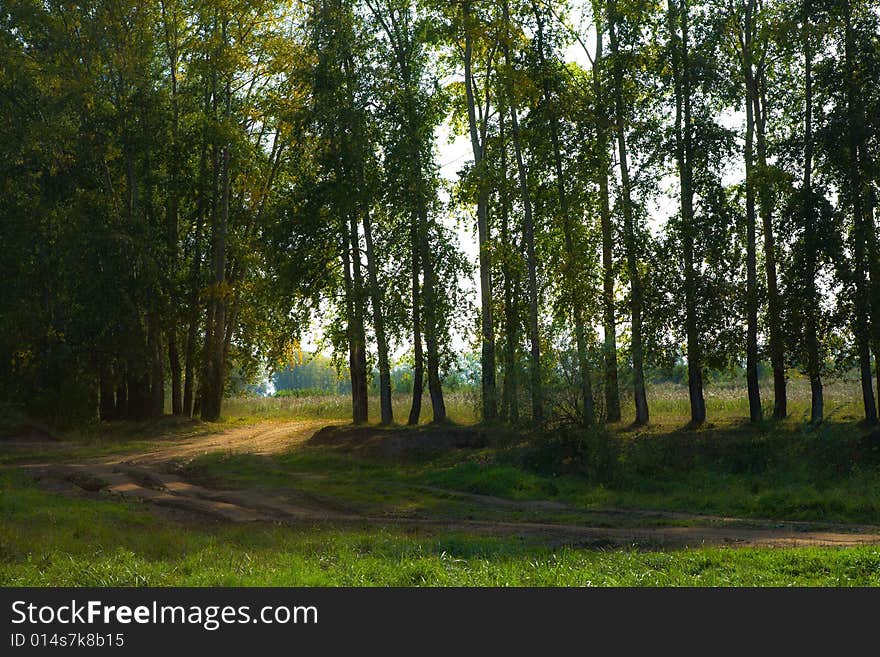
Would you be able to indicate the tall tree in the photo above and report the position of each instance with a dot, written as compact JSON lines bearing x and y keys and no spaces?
{"x":855,"y":139}
{"x":609,"y":316}
{"x":536,"y":384}
{"x":756,"y":94}
{"x":477,"y":112}
{"x":681,"y":66}
{"x":615,"y":19}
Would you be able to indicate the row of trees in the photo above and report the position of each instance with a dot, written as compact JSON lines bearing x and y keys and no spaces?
{"x":681,"y":96}
{"x":186,"y":183}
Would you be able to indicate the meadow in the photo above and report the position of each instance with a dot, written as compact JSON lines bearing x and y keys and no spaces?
{"x":825,"y":477}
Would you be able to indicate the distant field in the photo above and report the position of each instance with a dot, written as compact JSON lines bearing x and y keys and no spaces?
{"x":668,"y":404}
{"x":461,"y":408}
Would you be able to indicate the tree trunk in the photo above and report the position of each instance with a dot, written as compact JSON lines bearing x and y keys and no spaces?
{"x":212,"y":389}
{"x":355,"y":320}
{"x":157,"y":369}
{"x":874,"y":273}
{"x":172,"y":212}
{"x":107,"y":397}
{"x":195,"y":308}
{"x":536,"y":387}
{"x":814,"y":360}
{"x":429,"y":292}
{"x":684,"y":157}
{"x":774,"y":303}
{"x":386,"y":412}
{"x":121,"y":410}
{"x":509,"y":390}
{"x":636,"y":293}
{"x":487,"y":329}
{"x":862,"y":302}
{"x":609,"y":322}
{"x":175,"y":372}
{"x":754,"y":390}
{"x":438,"y":404}
{"x":418,"y":357}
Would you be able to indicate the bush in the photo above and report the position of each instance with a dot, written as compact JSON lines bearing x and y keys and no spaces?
{"x":592,"y":453}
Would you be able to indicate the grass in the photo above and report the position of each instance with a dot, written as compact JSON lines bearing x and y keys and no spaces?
{"x":46,"y":539}
{"x":460,"y":406}
{"x":778,"y":470}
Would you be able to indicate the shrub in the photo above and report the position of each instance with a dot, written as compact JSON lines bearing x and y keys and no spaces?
{"x":589,"y":452}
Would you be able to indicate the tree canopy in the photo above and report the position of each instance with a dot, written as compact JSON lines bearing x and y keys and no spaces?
{"x":187,"y":186}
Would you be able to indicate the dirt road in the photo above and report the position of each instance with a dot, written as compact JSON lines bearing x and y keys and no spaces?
{"x":150,"y":477}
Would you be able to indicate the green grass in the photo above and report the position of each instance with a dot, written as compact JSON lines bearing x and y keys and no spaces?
{"x":777,"y":471}
{"x":47,"y":539}
{"x":783,"y":470}
{"x":728,"y":401}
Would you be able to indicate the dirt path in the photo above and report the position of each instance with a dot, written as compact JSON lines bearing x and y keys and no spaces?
{"x":148,"y":477}
{"x":263,"y":439}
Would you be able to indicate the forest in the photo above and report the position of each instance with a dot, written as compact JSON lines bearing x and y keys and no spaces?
{"x":439,"y":292}
{"x":188,"y":184}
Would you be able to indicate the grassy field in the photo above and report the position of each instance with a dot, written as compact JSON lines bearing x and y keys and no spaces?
{"x":782,"y":469}
{"x":785,"y":471}
{"x":725,"y":402}
{"x":461,"y":408}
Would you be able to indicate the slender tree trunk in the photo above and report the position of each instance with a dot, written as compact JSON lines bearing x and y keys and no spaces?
{"x":862,"y":308}
{"x":212,"y":390}
{"x":509,"y":390}
{"x":684,"y":157}
{"x":354,"y":331}
{"x":418,"y":357}
{"x":422,"y":259}
{"x":121,"y":410}
{"x":814,"y":360}
{"x":487,"y":328}
{"x":629,"y":236}
{"x":175,"y":372}
{"x":429,"y":288}
{"x":195,"y":309}
{"x":536,"y":387}
{"x":107,"y":397}
{"x":438,"y":404}
{"x":874,"y":273}
{"x":349,"y":327}
{"x":774,"y":302}
{"x":386,"y":412}
{"x":172,"y":211}
{"x":359,"y":387}
{"x":609,"y":315}
{"x":190,"y":359}
{"x":755,"y":411}
{"x":138,"y":392}
{"x":195,"y":276}
{"x":157,"y":371}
